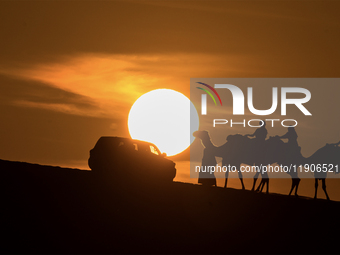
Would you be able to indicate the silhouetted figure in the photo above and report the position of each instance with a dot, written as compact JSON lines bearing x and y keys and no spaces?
{"x":292,"y":136}
{"x":293,"y":152}
{"x":236,"y":143}
{"x":205,"y":176}
{"x":236,"y":151}
{"x":259,"y":148}
{"x":260,"y":134}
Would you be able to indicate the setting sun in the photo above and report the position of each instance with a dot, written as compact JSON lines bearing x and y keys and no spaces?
{"x":162,"y":117}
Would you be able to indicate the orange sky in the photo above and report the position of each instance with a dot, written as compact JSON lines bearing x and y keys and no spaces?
{"x":71,"y":70}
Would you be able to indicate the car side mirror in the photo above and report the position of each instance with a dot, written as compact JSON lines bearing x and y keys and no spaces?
{"x":163,"y":155}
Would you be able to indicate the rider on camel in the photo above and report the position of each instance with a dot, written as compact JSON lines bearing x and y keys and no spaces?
{"x":293,"y":150}
{"x":258,"y":145}
{"x":292,"y":136}
{"x":260,"y":134}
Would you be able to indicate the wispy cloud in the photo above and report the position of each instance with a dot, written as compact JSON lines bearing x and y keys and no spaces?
{"x":113,"y":82}
{"x":63,"y":108}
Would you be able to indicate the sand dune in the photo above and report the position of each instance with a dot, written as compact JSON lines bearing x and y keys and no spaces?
{"x":58,"y":210}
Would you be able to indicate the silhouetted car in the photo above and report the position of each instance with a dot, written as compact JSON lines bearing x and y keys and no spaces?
{"x":128,"y":159}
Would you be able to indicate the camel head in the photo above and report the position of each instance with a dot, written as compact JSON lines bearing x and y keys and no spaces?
{"x":329,"y":154}
{"x":201,"y":134}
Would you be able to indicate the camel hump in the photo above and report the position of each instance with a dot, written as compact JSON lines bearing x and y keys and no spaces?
{"x":237,"y":138}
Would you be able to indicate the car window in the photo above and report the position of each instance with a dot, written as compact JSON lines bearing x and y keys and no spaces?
{"x":154,"y":150}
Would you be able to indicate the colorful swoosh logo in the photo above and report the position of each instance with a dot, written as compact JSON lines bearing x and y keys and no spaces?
{"x":208,"y":92}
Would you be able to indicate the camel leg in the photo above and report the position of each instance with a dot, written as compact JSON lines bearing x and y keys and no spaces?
{"x":253,"y":188}
{"x":260,"y":187}
{"x":267,"y":181}
{"x":255,"y":179}
{"x":293,"y":185}
{"x":243,"y":187}
{"x":241,"y":179}
{"x":226,"y":179}
{"x":297,"y":186}
{"x":324,"y":188}
{"x":264,"y":181}
{"x":316,"y":188}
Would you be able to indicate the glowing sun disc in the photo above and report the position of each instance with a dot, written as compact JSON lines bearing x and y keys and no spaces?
{"x":162,"y":117}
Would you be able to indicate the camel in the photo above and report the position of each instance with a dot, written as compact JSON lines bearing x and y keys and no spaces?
{"x":240,"y":150}
{"x":236,"y":151}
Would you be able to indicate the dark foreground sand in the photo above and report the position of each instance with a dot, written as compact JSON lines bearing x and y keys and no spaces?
{"x":48,"y":209}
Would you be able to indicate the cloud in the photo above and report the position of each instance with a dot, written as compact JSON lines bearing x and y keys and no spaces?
{"x":107,"y":85}
{"x":36,"y":94}
{"x":63,"y":108}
